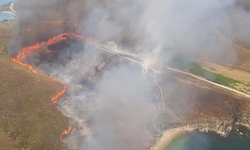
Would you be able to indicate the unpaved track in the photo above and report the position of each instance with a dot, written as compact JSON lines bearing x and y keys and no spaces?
{"x":128,"y":57}
{"x":210,"y":82}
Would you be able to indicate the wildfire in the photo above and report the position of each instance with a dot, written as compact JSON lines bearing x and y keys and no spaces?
{"x":39,"y":47}
{"x":66,"y":132}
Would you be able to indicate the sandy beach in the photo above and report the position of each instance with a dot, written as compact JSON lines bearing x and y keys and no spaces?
{"x":169,"y":136}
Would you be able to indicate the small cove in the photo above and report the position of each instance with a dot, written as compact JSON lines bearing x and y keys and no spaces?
{"x":211,"y":141}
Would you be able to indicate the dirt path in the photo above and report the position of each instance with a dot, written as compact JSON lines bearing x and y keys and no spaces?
{"x":128,"y":57}
{"x":210,"y":82}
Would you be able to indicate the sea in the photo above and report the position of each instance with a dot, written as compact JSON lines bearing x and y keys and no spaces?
{"x":6,"y":16}
{"x":211,"y":141}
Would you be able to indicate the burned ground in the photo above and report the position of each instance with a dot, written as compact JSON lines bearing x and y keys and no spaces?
{"x":192,"y":101}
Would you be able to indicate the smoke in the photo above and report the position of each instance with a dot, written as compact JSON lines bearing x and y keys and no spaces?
{"x":123,"y":111}
{"x":110,"y":100}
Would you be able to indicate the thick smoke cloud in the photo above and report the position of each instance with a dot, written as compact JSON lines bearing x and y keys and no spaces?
{"x":123,"y":111}
{"x":111,"y":102}
{"x":110,"y":109}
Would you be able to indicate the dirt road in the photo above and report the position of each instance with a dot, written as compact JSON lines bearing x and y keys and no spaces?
{"x":131,"y":56}
{"x":210,"y":82}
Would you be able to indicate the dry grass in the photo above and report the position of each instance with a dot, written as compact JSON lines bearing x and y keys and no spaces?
{"x":28,"y":115}
{"x":28,"y":118}
{"x":6,"y":143}
{"x":5,"y":35}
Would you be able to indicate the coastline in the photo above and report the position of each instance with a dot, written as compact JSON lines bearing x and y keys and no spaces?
{"x":12,"y":11}
{"x":12,"y":7}
{"x":9,"y":12}
{"x":169,"y":135}
{"x":216,"y":127}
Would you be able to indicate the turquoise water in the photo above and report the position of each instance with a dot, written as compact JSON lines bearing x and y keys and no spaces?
{"x":210,"y":141}
{"x":6,"y":16}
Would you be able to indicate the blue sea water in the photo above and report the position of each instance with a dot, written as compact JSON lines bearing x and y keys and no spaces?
{"x":210,"y":141}
{"x":6,"y":16}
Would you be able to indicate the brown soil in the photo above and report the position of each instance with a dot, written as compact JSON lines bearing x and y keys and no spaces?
{"x":225,"y":71}
{"x":232,"y":56}
{"x":243,"y":58}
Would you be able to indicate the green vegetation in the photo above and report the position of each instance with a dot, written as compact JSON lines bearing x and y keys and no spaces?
{"x":217,"y":78}
{"x":5,"y":55}
{"x":212,"y":76}
{"x":186,"y":62}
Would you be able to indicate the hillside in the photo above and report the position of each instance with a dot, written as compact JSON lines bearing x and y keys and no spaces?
{"x":29,"y":120}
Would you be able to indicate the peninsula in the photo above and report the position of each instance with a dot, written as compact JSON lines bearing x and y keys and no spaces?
{"x":8,"y":8}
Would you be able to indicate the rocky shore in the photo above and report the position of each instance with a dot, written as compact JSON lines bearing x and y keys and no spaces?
{"x":214,"y":125}
{"x":200,"y":107}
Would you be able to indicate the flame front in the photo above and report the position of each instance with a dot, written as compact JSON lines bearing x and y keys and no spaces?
{"x":66,"y":132}
{"x":39,"y":48}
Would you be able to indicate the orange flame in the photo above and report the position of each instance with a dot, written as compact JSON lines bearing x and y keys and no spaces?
{"x":66,"y":132}
{"x":39,"y":48}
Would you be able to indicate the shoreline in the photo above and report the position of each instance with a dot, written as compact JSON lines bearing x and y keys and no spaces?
{"x":11,"y":7}
{"x":169,"y":135}
{"x":9,"y":12}
{"x":12,"y":11}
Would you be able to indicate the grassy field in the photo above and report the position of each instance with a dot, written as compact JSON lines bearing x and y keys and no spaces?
{"x":217,"y":78}
{"x":5,"y":36}
{"x":7,"y":143}
{"x":28,"y":120}
{"x":187,"y":63}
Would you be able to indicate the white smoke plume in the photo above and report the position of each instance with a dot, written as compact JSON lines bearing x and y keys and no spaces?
{"x":110,"y":101}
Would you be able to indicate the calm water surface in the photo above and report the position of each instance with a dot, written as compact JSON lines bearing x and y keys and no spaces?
{"x":210,"y":141}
